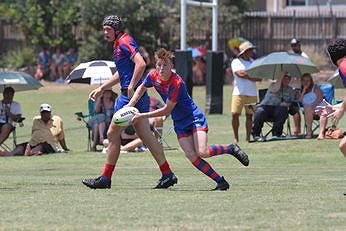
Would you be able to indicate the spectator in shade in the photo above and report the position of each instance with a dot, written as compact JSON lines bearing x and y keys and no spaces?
{"x":275,"y":105}
{"x":311,"y":96}
{"x":57,"y":65}
{"x":43,"y":63}
{"x":70,"y":59}
{"x":104,"y":110}
{"x":10,"y":111}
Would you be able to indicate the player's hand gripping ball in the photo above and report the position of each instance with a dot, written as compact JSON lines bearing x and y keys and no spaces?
{"x":342,"y":71}
{"x":123,"y":116}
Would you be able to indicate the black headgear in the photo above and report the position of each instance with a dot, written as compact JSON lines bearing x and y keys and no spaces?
{"x":113,"y":21}
{"x":337,"y":50}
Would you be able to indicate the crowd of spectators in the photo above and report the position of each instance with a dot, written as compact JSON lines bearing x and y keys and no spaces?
{"x":57,"y":66}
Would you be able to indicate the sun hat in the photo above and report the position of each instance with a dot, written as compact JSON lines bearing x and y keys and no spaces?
{"x":45,"y":107}
{"x":244,"y":46}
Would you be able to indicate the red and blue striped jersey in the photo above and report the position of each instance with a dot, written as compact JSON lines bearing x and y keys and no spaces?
{"x":174,"y":90}
{"x":124,"y":49}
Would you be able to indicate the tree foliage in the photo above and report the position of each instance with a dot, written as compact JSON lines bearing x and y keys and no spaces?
{"x":45,"y":23}
{"x":142,"y":19}
{"x":153,"y":23}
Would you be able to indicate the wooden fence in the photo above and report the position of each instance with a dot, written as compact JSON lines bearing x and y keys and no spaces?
{"x":11,"y":37}
{"x":273,"y":32}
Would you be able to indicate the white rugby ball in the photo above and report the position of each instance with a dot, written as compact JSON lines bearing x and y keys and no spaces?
{"x":124,"y":115}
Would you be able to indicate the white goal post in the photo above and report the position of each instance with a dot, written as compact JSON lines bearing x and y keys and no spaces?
{"x":183,"y":5}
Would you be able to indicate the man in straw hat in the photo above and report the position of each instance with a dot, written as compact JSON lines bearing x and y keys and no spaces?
{"x":244,"y":89}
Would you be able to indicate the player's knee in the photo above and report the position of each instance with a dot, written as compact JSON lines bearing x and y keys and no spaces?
{"x":203,"y":152}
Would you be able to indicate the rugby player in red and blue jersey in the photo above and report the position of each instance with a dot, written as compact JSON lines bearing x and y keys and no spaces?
{"x":190,"y":124}
{"x":337,"y":53}
{"x":130,"y":67}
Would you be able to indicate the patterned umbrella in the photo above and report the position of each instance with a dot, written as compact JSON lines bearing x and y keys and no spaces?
{"x":93,"y":72}
{"x":271,"y":65}
{"x":19,"y":81}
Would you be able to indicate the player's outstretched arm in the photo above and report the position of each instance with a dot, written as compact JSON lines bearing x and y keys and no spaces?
{"x":137,"y":95}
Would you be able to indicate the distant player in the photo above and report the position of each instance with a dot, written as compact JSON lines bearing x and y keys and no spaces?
{"x":337,"y":53}
{"x":190,"y":124}
{"x":130,"y":67}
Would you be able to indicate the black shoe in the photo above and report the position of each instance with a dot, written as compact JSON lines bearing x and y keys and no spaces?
{"x":240,"y":154}
{"x":222,"y":185}
{"x":167,"y":182}
{"x":99,"y":182}
{"x":344,"y":193}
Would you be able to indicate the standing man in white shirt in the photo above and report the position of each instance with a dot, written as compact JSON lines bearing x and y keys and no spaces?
{"x":244,"y":90}
{"x":297,"y":49}
{"x":10,"y":111}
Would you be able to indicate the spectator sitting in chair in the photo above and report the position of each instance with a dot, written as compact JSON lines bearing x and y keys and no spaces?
{"x":104,"y":110}
{"x":47,"y":136}
{"x":311,"y":96}
{"x":10,"y":111}
{"x":276,"y":105}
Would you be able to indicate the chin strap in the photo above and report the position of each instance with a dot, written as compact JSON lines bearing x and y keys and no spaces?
{"x":117,"y":35}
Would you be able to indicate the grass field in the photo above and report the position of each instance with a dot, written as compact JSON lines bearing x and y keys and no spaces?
{"x":289,"y":185}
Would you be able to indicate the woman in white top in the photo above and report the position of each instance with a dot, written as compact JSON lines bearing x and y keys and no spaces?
{"x":311,"y":96}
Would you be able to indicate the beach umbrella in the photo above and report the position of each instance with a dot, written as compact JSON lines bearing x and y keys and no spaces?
{"x":93,"y":72}
{"x":336,"y":80}
{"x":19,"y":81}
{"x":273,"y":64}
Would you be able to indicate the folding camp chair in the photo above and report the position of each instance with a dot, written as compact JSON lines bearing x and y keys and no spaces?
{"x":18,"y":123}
{"x":85,"y":118}
{"x":269,"y":121}
{"x":162,"y":134}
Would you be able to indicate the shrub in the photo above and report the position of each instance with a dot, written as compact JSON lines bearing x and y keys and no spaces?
{"x":19,"y":58}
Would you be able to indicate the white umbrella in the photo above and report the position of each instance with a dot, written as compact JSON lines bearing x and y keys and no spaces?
{"x":93,"y":72}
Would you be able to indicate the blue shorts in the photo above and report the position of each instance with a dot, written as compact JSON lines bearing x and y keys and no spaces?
{"x":187,"y":128}
{"x":142,"y":104}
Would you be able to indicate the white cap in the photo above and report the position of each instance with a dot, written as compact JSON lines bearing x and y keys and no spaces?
{"x":45,"y":107}
{"x":295,"y":41}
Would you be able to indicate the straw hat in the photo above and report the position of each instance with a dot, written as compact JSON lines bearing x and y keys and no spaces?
{"x":244,"y":47}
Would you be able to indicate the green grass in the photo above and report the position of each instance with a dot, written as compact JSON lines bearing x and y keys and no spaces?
{"x":289,"y":185}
